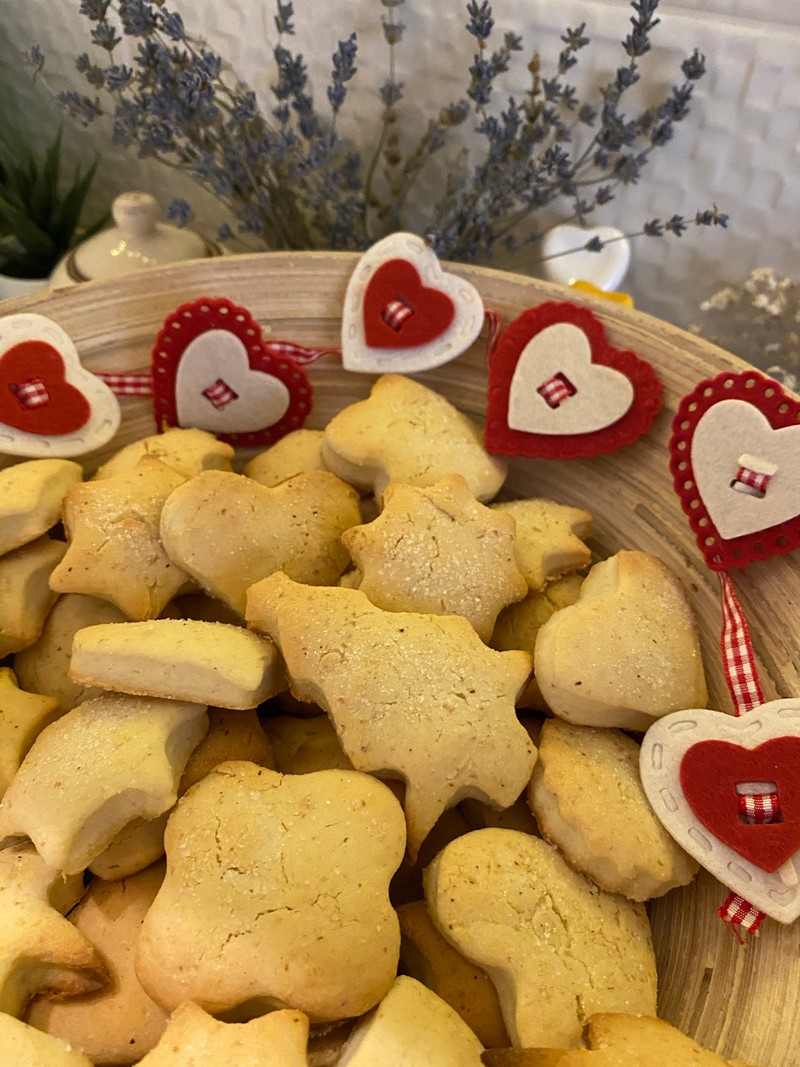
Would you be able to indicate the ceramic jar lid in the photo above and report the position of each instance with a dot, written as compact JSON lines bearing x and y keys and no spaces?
{"x":139,"y":239}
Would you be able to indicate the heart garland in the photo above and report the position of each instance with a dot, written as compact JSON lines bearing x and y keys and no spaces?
{"x":559,"y":389}
{"x":726,"y":788}
{"x":49,"y":404}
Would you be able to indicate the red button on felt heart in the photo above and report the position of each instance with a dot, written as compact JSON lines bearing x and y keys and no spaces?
{"x":34,"y":394}
{"x":710,"y":772}
{"x":400,"y":312}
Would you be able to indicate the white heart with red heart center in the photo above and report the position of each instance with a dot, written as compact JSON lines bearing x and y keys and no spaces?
{"x":734,"y":430}
{"x":601,"y":394}
{"x":218,"y":356}
{"x":572,"y":262}
{"x":664,"y":746}
{"x":464,"y":328}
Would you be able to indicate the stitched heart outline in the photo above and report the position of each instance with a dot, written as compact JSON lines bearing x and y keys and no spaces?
{"x":369,"y":296}
{"x":665,"y":745}
{"x":50,"y":405}
{"x":637,"y":418}
{"x":702,"y":475}
{"x":188,"y":323}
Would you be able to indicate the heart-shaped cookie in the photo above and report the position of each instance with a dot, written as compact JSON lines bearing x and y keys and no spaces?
{"x":735,"y":454}
{"x":403,"y":313}
{"x":557,"y":388}
{"x":566,"y":259}
{"x":49,"y":405}
{"x":696,"y":767}
{"x":212,"y":371}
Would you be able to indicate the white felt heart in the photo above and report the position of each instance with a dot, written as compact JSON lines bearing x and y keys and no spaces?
{"x":599,"y":396}
{"x":665,"y":744}
{"x":467,"y":322}
{"x":103,"y":407}
{"x":735,"y":430}
{"x":572,"y":262}
{"x":216,"y":389}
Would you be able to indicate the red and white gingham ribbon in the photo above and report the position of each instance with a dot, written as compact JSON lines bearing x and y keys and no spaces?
{"x":220,"y":394}
{"x":759,"y":808}
{"x":396,"y":312}
{"x":742,"y":678}
{"x":31,"y":394}
{"x":758,"y":480}
{"x":128,"y":384}
{"x":556,"y":390}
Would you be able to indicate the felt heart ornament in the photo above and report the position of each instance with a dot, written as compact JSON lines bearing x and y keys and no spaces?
{"x":727,"y":789}
{"x":735,"y":462}
{"x":50,"y":405}
{"x":566,"y":259}
{"x":212,"y":371}
{"x":403,"y":313}
{"x":558,"y":389}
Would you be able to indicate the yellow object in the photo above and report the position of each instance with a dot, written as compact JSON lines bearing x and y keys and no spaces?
{"x":586,"y":287}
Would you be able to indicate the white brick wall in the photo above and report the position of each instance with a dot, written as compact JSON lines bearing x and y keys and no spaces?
{"x":739,"y":148}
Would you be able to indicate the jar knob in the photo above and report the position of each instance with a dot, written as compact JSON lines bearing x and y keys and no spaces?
{"x":136,"y":214}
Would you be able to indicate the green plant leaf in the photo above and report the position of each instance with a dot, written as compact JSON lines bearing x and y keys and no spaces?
{"x":33,"y":239}
{"x":44,"y":191}
{"x":64,"y":221}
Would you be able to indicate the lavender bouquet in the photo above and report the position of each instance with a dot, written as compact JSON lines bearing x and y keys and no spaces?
{"x":288,"y":180}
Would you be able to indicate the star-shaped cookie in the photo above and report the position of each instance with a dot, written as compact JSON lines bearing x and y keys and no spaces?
{"x":549,"y":538}
{"x":30,"y":498}
{"x":22,"y":717}
{"x":438,"y":550}
{"x":115,"y":550}
{"x":417,"y":697}
{"x":405,"y":432}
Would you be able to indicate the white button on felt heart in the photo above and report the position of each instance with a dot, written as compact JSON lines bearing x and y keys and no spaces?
{"x":600,"y":395}
{"x":216,"y":389}
{"x":605,"y":268}
{"x":726,"y":431}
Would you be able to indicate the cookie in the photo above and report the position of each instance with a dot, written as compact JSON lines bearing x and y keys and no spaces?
{"x":301,"y":746}
{"x":30,"y":499}
{"x":43,"y":667}
{"x":115,"y":549}
{"x":556,"y":949}
{"x":428,"y":957}
{"x":110,"y":760}
{"x":133,"y":849}
{"x":438,"y":550}
{"x":186,"y":451}
{"x":232,"y":735}
{"x":23,"y":716}
{"x":416,"y":697}
{"x":297,"y":453}
{"x":582,"y":770}
{"x":405,"y":432}
{"x":40,"y":951}
{"x":228,"y":531}
{"x":179,"y":659}
{"x":25,"y":594}
{"x":283,"y":881}
{"x":628,"y":650}
{"x":120,"y":1023}
{"x":411,"y":1025}
{"x":194,"y":1039}
{"x":24,"y":1044}
{"x":549,"y":539}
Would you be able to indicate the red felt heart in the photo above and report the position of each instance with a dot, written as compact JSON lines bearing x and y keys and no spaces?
{"x":718,"y":463}
{"x":400,"y":312}
{"x":636,"y":420}
{"x":709,"y":774}
{"x":34,"y":394}
{"x":188,"y":323}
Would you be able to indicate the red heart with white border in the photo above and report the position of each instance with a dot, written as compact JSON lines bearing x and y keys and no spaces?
{"x":684,"y":749}
{"x":735,"y":458}
{"x":557,"y":388}
{"x":212,"y":371}
{"x":402,"y":313}
{"x":49,"y":404}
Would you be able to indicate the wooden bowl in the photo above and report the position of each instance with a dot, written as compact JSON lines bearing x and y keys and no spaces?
{"x":738,"y":1000}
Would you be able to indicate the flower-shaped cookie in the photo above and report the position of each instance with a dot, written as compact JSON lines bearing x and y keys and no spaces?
{"x":407,"y":433}
{"x":115,"y":549}
{"x":277,"y":894}
{"x":556,"y":948}
{"x":228,"y":531}
{"x":417,"y":697}
{"x":438,"y":550}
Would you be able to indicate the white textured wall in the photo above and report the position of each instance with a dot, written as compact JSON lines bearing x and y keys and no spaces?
{"x":739,"y":148}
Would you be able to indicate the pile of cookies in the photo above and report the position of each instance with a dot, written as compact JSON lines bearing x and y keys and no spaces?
{"x":303,"y":764}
